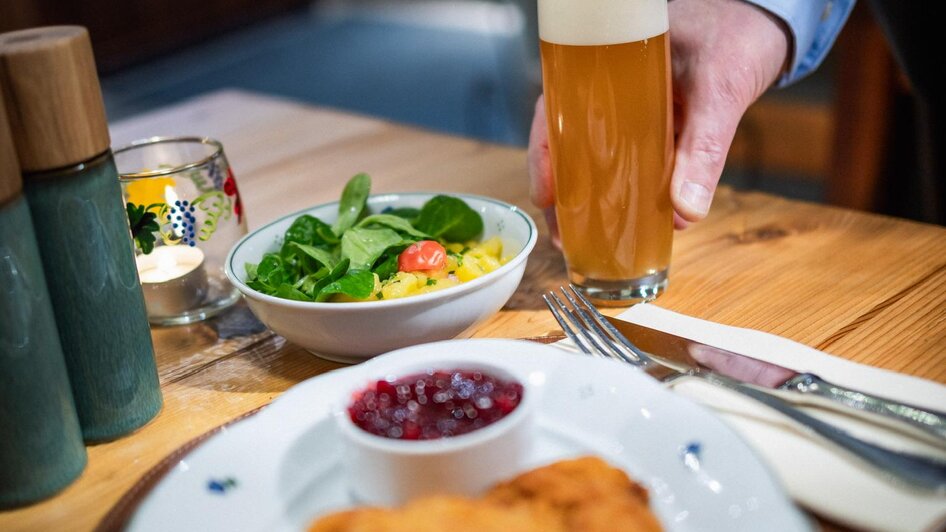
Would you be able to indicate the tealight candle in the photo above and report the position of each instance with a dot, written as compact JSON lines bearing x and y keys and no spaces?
{"x":173,"y":279}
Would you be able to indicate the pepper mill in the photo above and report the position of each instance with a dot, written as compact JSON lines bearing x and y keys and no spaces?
{"x":56,"y":113}
{"x":41,"y":448}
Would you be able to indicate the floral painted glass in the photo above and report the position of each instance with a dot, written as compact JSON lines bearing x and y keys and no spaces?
{"x":185,"y":213}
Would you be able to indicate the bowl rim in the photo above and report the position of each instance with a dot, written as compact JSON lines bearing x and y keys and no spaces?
{"x":519,"y":417}
{"x":343,"y":306}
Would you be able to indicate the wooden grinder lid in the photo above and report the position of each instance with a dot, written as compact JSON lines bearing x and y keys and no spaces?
{"x":52,"y":96}
{"x":10,"y":182}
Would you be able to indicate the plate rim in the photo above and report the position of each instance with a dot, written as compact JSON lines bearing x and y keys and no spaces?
{"x":747,"y":462}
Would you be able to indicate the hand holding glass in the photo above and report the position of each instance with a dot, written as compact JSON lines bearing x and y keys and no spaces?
{"x":606,"y":76}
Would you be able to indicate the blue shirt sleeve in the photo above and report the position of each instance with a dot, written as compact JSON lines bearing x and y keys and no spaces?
{"x":814,"y":24}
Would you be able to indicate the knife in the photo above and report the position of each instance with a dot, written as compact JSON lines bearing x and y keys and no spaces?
{"x":592,"y":334}
{"x":802,"y":388}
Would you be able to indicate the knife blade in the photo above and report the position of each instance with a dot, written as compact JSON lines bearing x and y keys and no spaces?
{"x":677,"y":352}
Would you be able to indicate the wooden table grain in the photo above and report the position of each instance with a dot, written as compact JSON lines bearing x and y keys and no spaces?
{"x":865,"y":287}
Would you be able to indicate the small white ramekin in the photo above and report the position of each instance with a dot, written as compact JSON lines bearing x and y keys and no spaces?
{"x":384,"y":471}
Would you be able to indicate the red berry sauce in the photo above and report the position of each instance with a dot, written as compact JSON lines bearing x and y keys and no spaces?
{"x":435,"y":404}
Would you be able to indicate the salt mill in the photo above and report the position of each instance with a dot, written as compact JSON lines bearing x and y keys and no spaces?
{"x":41,"y":447}
{"x":54,"y":103}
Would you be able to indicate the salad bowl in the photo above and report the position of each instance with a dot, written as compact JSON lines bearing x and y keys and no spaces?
{"x":355,"y":331}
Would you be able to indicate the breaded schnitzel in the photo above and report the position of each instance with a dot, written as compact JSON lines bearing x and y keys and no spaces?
{"x":580,"y":495}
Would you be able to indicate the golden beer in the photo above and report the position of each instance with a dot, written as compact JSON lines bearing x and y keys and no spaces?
{"x":606,"y":75}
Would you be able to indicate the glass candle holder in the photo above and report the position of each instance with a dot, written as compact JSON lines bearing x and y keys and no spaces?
{"x":185,"y":213}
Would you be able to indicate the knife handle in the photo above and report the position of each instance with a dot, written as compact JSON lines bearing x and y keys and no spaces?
{"x":910,"y":470}
{"x":924,"y":422}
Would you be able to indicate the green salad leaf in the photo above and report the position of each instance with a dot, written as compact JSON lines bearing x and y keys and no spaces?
{"x":363,"y":246}
{"x":391,"y":221}
{"x":352,"y":203}
{"x":355,"y":283}
{"x":272,"y":271}
{"x":317,"y":261}
{"x":308,"y":229}
{"x":314,"y":285}
{"x":319,"y":255}
{"x":386,"y":266}
{"x":286,"y":291}
{"x":408,"y":213}
{"x":449,"y":218}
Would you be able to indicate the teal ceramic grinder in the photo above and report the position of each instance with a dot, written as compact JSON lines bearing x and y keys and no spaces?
{"x":57,"y":117}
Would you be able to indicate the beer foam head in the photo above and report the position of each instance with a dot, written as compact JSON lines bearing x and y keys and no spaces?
{"x":596,"y":22}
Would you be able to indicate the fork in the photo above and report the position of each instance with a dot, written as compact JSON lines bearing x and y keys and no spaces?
{"x":588,"y":329}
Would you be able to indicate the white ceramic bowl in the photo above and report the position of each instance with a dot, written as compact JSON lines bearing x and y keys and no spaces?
{"x":353,"y":332}
{"x":383,"y":471}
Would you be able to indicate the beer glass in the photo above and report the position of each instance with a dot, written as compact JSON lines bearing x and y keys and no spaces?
{"x":606,"y":77}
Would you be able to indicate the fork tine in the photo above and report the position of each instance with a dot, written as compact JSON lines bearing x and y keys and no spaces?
{"x":560,"y":318}
{"x":592,"y":323}
{"x":577,"y":331}
{"x":641,"y":356}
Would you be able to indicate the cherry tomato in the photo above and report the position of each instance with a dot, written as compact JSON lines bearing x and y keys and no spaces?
{"x":423,"y":255}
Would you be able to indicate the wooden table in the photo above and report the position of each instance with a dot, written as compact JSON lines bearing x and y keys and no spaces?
{"x":865,"y":287}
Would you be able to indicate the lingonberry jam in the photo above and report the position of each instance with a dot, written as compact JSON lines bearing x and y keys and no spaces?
{"x":434,"y":404}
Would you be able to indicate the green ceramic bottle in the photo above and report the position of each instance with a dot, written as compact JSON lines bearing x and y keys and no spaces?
{"x":59,"y":128}
{"x":41,"y":447}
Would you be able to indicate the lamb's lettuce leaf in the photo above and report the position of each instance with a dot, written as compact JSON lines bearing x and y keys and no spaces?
{"x":352,"y":203}
{"x":450,"y":219}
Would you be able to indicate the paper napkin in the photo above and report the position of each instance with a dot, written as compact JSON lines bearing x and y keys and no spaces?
{"x":814,"y":474}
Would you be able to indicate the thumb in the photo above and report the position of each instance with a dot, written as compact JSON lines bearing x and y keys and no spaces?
{"x":706,"y":133}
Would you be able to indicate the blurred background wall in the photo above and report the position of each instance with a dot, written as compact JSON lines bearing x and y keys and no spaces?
{"x":471,"y":68}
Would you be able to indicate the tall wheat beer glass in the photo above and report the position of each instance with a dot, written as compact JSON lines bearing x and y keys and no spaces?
{"x":606,"y":75}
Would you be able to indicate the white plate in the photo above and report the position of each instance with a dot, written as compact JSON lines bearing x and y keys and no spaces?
{"x":280,"y":469}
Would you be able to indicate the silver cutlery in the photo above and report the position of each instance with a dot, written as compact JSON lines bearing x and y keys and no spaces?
{"x":800,"y":388}
{"x":591,"y":332}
